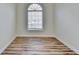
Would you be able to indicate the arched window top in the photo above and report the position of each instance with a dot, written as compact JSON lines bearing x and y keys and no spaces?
{"x":34,"y":7}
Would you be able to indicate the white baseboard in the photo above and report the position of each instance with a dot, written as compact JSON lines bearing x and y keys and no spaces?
{"x":7,"y":45}
{"x":68,"y":45}
{"x":35,"y":36}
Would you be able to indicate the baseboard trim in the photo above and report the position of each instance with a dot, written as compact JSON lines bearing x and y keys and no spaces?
{"x":35,"y":36}
{"x":7,"y":45}
{"x":68,"y":45}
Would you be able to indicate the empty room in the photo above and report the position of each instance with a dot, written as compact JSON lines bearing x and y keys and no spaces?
{"x":39,"y":28}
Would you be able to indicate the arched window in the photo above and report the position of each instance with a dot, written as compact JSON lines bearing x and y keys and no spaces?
{"x":35,"y":17}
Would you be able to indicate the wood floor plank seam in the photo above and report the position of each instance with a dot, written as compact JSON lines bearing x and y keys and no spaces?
{"x":37,"y":46}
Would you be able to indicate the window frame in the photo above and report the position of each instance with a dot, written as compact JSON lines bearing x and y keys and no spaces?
{"x":38,"y":16}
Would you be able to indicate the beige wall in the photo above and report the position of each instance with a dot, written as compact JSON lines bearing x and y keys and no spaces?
{"x":63,"y":19}
{"x":48,"y":20}
{"x":67,"y":24}
{"x":7,"y":24}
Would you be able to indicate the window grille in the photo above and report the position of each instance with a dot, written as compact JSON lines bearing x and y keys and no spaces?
{"x":35,"y":17}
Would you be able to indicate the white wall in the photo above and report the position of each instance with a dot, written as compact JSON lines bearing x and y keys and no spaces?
{"x":48,"y":20}
{"x":7,"y":24}
{"x":67,"y":24}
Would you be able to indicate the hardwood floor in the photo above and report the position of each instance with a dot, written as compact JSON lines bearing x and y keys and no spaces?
{"x":37,"y":46}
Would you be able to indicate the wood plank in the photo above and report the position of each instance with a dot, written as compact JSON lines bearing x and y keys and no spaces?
{"x":37,"y":46}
